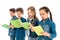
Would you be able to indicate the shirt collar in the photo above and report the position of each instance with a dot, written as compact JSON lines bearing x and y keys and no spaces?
{"x":13,"y":17}
{"x":46,"y":20}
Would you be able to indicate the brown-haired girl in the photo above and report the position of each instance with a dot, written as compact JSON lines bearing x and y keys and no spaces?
{"x":47,"y":24}
{"x":34,"y":21}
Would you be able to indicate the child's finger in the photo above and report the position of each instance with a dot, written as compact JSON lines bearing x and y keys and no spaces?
{"x":42,"y":32}
{"x":32,"y":30}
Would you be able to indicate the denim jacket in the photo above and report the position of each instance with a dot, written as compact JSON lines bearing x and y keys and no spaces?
{"x":49,"y":26}
{"x":12,"y":31}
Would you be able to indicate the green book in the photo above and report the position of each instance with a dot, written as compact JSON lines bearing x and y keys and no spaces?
{"x":25,"y":25}
{"x":38,"y":30}
{"x":5,"y":26}
{"x":17,"y":23}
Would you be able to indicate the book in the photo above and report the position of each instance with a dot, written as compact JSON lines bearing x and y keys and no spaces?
{"x":17,"y":23}
{"x":25,"y":25}
{"x":38,"y":30}
{"x":6,"y":26}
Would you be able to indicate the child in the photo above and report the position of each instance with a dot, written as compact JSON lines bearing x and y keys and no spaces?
{"x":12,"y":29}
{"x":47,"y":24}
{"x":34,"y":21}
{"x":20,"y":32}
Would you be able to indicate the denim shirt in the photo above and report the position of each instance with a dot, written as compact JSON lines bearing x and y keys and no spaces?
{"x":34,"y":22}
{"x":49,"y":26}
{"x":12,"y":31}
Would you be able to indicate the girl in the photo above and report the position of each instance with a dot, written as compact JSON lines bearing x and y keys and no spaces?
{"x":34,"y":21}
{"x":47,"y":24}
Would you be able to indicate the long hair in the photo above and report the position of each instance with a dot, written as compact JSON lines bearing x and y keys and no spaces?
{"x":33,"y":10}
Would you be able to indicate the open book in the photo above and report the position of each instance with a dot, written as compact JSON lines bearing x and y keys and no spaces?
{"x":5,"y":26}
{"x":38,"y":30}
{"x":18,"y":24}
{"x":25,"y":25}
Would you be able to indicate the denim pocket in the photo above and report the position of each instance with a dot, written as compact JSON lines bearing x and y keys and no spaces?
{"x":11,"y":31}
{"x":46,"y":28}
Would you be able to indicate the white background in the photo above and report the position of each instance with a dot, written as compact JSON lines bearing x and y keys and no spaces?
{"x":5,"y":5}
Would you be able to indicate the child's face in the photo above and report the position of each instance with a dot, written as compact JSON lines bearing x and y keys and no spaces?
{"x":43,"y":14}
{"x":19,"y":14}
{"x":12,"y":14}
{"x":30,"y":13}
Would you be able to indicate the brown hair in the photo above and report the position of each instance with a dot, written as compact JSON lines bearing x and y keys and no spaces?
{"x":47,"y":10}
{"x":12,"y":9}
{"x":33,"y":10}
{"x":20,"y":10}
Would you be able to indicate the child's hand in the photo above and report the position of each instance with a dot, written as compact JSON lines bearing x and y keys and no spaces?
{"x":11,"y":26}
{"x":32,"y":30}
{"x":45,"y":34}
{"x":30,"y":26}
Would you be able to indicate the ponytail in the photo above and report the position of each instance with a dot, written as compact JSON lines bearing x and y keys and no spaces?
{"x":50,"y":16}
{"x":47,"y":10}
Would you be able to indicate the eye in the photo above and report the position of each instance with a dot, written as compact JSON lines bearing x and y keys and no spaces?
{"x":43,"y":14}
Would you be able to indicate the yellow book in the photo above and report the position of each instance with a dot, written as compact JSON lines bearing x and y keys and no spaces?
{"x":38,"y":30}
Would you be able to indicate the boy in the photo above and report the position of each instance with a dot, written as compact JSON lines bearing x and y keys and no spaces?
{"x":20,"y":32}
{"x":12,"y":29}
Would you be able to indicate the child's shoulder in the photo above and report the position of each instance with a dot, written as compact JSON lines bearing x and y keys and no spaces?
{"x":36,"y":19}
{"x":49,"y":22}
{"x":40,"y":22}
{"x":23,"y":19}
{"x":52,"y":22}
{"x":14,"y":18}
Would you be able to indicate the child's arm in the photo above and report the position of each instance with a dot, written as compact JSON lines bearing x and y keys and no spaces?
{"x":53,"y":30}
{"x":11,"y":26}
{"x":46,"y":34}
{"x":52,"y":34}
{"x":31,"y":27}
{"x":37,"y":23}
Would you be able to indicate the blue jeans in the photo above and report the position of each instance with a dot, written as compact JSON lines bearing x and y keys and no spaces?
{"x":20,"y":34}
{"x":12,"y":37}
{"x":44,"y":38}
{"x":32,"y":38}
{"x":12,"y":31}
{"x":20,"y":38}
